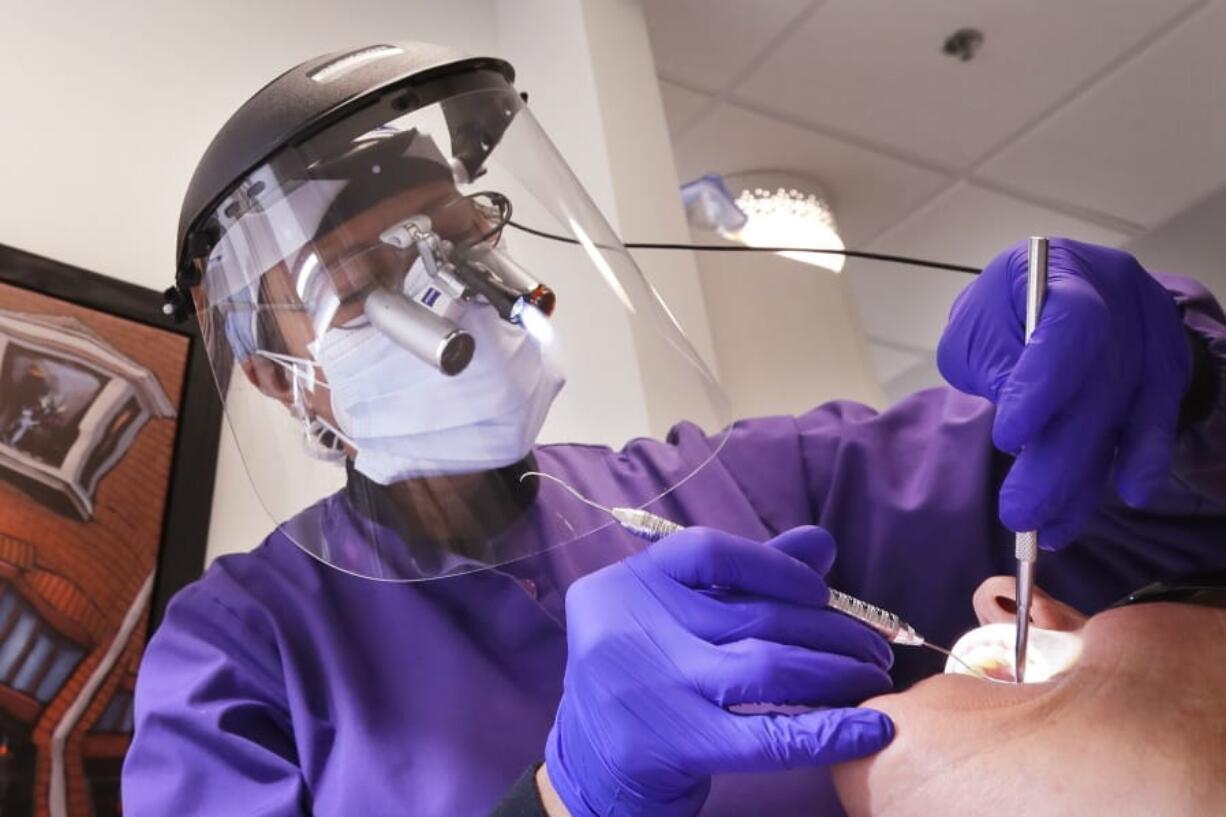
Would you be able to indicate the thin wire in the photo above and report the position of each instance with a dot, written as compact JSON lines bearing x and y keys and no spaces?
{"x":613,"y":519}
{"x":653,"y":500}
{"x":504,"y":212}
{"x":972,"y":670}
{"x":568,"y":487}
{"x":575,"y":536}
{"x":651,"y":245}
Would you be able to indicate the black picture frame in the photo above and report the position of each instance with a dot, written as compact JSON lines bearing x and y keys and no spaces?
{"x":185,"y":524}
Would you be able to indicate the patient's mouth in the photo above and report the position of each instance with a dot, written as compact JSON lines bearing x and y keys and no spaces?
{"x":987,"y":651}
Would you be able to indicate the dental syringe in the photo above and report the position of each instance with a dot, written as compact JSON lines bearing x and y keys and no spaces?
{"x":892,"y":628}
{"x":653,"y":527}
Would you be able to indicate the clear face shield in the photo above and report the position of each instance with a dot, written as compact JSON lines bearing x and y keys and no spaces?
{"x":394,"y":351}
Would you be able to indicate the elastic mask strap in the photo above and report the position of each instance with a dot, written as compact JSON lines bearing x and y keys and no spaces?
{"x":299,"y":368}
{"x":318,"y":426}
{"x":314,"y":427}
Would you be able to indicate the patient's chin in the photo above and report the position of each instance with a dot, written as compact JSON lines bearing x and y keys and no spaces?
{"x":851,"y":783}
{"x":880,"y":784}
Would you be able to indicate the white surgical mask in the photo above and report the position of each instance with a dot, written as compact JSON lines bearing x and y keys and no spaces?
{"x":405,"y":419}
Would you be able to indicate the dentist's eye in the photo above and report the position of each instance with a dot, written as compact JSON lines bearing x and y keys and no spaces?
{"x":356,"y":296}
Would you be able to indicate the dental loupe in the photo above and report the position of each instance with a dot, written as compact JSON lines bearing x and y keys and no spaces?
{"x":461,"y":275}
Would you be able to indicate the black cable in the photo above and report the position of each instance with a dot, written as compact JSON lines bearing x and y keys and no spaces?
{"x":504,"y":211}
{"x":648,"y":245}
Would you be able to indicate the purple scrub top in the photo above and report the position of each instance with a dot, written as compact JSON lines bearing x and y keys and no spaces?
{"x":277,"y":685}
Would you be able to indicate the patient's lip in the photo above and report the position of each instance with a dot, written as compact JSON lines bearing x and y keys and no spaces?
{"x":989,"y":650}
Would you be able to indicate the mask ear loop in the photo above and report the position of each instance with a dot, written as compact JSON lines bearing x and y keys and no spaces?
{"x":320,"y":439}
{"x":324,"y":441}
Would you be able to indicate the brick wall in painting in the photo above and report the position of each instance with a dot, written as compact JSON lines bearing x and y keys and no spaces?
{"x":87,"y":573}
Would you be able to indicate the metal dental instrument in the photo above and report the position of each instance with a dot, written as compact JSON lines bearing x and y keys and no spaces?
{"x":1026,"y":543}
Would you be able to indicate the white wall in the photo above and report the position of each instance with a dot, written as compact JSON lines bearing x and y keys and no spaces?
{"x":590,"y":75}
{"x":107,"y":106}
{"x":646,"y":205}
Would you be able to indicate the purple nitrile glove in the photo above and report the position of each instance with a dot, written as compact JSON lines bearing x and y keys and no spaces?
{"x":661,"y":644}
{"x":1097,"y":391}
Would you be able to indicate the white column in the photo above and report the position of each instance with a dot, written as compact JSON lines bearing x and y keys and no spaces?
{"x":788,"y":335}
{"x":588,"y":69}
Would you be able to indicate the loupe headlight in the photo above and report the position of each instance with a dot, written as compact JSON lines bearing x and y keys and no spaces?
{"x":505,"y":284}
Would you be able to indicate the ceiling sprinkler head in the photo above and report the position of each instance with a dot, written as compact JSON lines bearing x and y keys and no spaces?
{"x":963,"y":43}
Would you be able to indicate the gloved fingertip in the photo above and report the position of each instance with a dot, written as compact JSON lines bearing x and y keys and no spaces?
{"x":883,"y":654}
{"x":1017,"y":510}
{"x":859,"y":733}
{"x":875,"y":681}
{"x":1005,"y":434}
{"x":884,"y":725}
{"x":952,"y":362}
{"x":818,"y":539}
{"x":811,"y":544}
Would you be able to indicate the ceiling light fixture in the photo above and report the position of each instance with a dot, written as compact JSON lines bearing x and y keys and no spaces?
{"x":767,"y":209}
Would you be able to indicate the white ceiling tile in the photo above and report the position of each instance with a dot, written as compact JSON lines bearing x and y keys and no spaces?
{"x":966,"y":225}
{"x":874,"y":68}
{"x":867,"y":191}
{"x":708,"y":43}
{"x":681,"y":106}
{"x":970,"y":225}
{"x":1143,"y":144}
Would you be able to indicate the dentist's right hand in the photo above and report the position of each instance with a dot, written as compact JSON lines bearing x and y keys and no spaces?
{"x":662,"y":643}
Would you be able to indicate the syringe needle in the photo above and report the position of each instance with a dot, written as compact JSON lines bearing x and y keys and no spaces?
{"x":969,"y":668}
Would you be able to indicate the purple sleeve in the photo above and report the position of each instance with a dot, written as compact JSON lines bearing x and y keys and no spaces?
{"x":909,"y":493}
{"x":212,"y":735}
{"x":1200,"y":454}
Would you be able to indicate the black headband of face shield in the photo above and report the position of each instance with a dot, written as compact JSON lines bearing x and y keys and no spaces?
{"x":474,"y":124}
{"x":376,"y":168}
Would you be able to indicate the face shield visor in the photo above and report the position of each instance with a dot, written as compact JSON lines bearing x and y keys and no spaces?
{"x":395,"y":352}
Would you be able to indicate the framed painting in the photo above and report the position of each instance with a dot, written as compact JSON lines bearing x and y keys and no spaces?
{"x":109,"y":424}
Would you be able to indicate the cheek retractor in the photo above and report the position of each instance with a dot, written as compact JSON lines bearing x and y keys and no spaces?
{"x":988,"y":651}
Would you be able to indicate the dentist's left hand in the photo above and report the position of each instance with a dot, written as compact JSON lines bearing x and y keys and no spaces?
{"x":661,"y":644}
